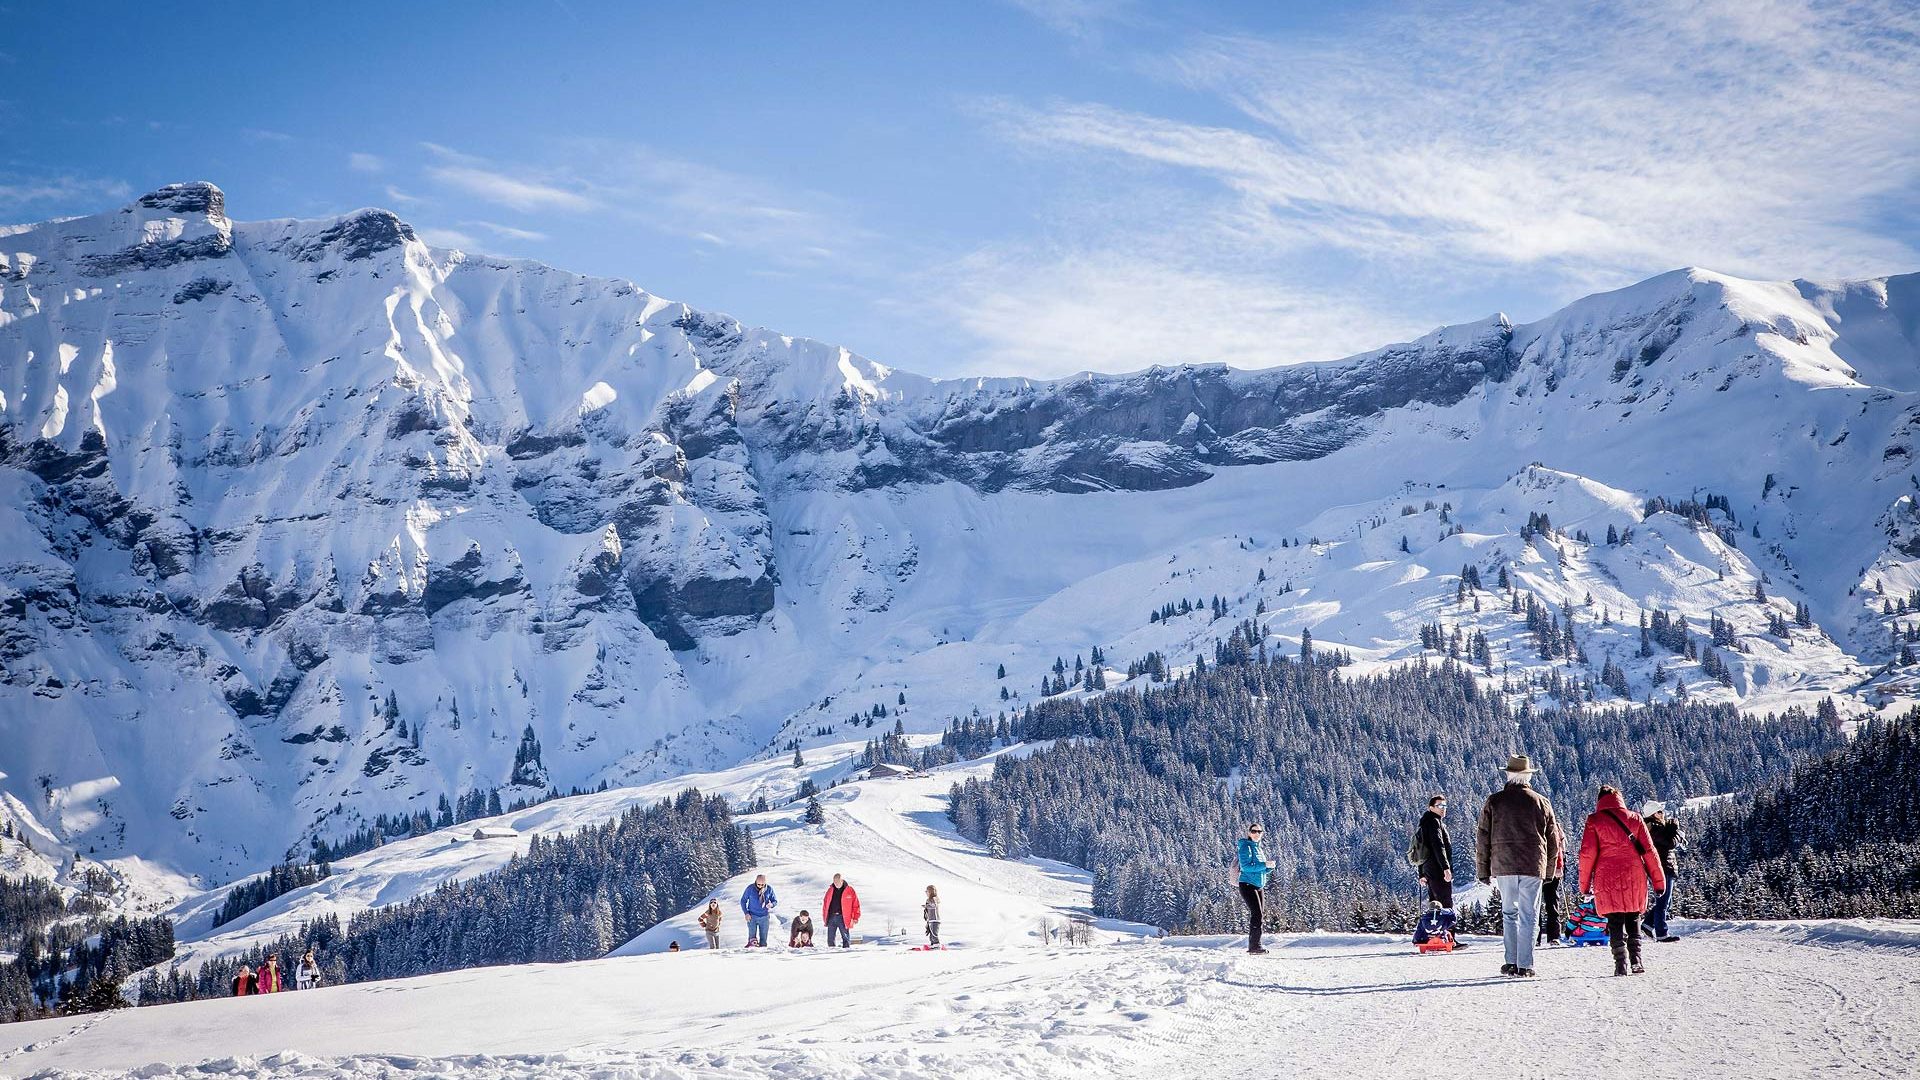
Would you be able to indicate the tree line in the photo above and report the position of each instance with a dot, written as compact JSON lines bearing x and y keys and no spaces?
{"x":1149,"y":789}
{"x":572,"y":897}
{"x":1836,"y":837}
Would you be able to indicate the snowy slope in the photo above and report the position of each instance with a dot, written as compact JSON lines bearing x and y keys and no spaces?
{"x":889,"y":837}
{"x":257,"y":477}
{"x":1726,"y":1003}
{"x":1761,"y":1000}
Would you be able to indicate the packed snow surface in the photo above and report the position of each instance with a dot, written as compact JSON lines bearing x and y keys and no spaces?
{"x":1726,"y":1002}
{"x":1011,"y":998}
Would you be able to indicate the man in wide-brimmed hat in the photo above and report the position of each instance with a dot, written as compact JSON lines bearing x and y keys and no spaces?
{"x":1519,"y":844}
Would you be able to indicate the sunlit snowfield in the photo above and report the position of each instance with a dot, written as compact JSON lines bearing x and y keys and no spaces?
{"x":1749,"y":1000}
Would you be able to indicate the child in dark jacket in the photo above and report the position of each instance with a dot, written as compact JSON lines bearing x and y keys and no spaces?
{"x":800,"y":932}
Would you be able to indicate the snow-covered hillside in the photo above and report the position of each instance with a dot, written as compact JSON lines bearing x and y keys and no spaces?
{"x":258,"y":480}
{"x":1762,"y":1000}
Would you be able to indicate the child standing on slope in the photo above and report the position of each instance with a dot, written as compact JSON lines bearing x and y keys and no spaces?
{"x":931,"y":911}
{"x":307,"y":975}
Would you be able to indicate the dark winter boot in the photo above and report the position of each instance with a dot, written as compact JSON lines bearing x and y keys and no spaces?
{"x":1633,"y":947}
{"x":1619,"y":956}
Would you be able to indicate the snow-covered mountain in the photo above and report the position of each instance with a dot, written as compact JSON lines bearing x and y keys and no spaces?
{"x":258,"y":480}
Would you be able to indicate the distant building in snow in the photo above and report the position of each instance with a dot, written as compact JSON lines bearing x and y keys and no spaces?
{"x":494,"y":832}
{"x":884,"y":770}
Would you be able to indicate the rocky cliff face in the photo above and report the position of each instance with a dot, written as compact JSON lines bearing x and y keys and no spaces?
{"x":256,"y":479}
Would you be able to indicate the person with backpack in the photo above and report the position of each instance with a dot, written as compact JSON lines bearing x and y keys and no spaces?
{"x":710,"y":923}
{"x":1431,"y":854}
{"x":1617,"y":863}
{"x":930,"y":912}
{"x":1666,"y":841}
{"x":1254,"y":869}
{"x":307,"y":975}
{"x":268,"y":977}
{"x":800,"y":932}
{"x":757,"y":904}
{"x":841,"y":906}
{"x":244,"y":983}
{"x":1518,"y":842}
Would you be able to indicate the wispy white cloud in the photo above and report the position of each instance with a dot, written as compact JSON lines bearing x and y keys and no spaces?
{"x":1605,"y":138}
{"x":1053,"y":313}
{"x":629,"y":184}
{"x":511,"y":191}
{"x":715,"y":206}
{"x":265,"y":135}
{"x":1564,"y":147}
{"x":366,"y":163}
{"x":78,"y":193}
{"x":449,"y":238}
{"x":1078,"y":18}
{"x":401,"y":198}
{"x":510,"y":232}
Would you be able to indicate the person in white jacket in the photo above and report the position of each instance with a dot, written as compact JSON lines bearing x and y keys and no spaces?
{"x":931,"y":911}
{"x":307,"y":975}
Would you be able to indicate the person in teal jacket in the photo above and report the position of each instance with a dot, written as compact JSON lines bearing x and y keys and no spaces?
{"x":1254,"y":869}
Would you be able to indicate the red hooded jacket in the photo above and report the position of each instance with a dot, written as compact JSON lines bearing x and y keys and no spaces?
{"x":849,"y":904}
{"x":1612,"y":869}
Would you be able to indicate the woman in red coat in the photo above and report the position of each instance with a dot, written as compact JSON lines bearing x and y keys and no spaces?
{"x":1617,"y":864}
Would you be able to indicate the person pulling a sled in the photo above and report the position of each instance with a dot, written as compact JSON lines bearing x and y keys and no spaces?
{"x":1617,"y":863}
{"x":1254,"y":869}
{"x":1432,"y":853}
{"x":1519,"y":842}
{"x":757,"y":904}
{"x":930,"y":912}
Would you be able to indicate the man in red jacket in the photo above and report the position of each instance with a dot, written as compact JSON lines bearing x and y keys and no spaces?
{"x":842,"y":909}
{"x":1617,"y":863}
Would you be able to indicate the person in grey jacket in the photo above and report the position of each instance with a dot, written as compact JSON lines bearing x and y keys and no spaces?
{"x":1519,"y":844}
{"x":931,"y":911}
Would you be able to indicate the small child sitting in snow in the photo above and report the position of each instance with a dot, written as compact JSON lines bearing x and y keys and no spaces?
{"x":800,"y":932}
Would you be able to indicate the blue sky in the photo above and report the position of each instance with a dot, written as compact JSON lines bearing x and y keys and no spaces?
{"x":1020,"y":186}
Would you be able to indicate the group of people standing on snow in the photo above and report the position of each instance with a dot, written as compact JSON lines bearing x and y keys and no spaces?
{"x":267,"y":979}
{"x":1521,"y":848}
{"x":1521,"y":852}
{"x":839,"y":909}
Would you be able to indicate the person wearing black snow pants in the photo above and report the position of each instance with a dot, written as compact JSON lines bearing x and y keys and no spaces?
{"x":1552,"y":919}
{"x":1254,"y":869}
{"x":1436,"y":850}
{"x":1250,"y":895}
